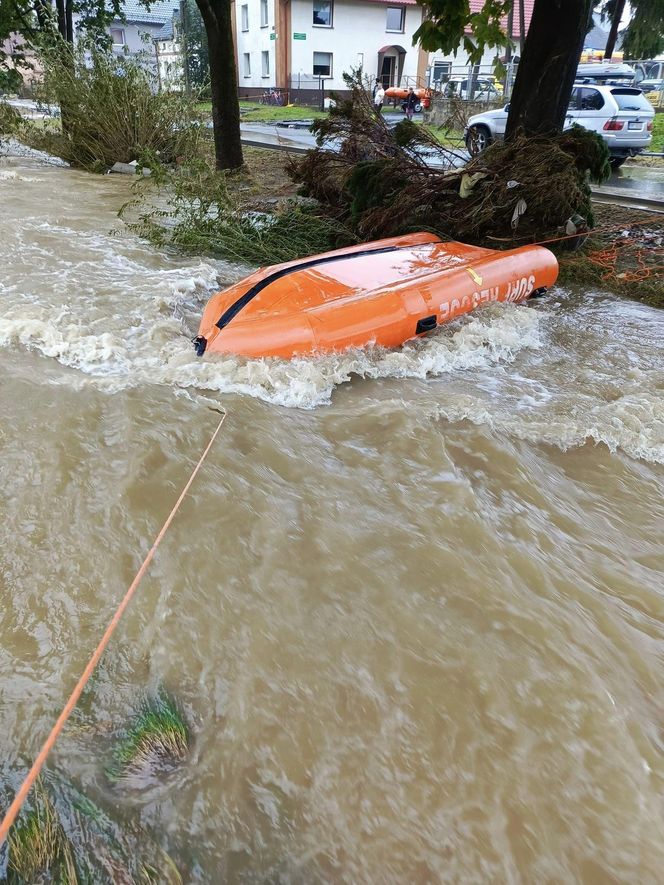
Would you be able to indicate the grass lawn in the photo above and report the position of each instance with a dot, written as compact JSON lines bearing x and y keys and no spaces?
{"x":254,"y":112}
{"x":657,"y":143}
{"x":451,"y":137}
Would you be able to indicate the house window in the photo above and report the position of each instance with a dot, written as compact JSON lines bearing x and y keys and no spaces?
{"x":323,"y":13}
{"x":245,"y":17}
{"x":118,"y":36}
{"x":247,"y":64}
{"x":263,"y":13}
{"x":322,"y":64}
{"x":396,"y":15}
{"x":441,"y":71}
{"x":265,"y":64}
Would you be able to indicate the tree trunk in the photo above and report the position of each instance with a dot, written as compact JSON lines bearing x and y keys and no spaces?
{"x":223,"y":83}
{"x":69,"y":21}
{"x":548,"y":66}
{"x":42,"y":8}
{"x":62,"y":20}
{"x":613,"y":33}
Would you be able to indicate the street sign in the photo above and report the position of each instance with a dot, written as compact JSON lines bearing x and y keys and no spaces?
{"x":273,"y":36}
{"x":297,"y":36}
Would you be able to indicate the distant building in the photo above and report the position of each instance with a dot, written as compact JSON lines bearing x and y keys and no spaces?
{"x":170,"y":59}
{"x":142,"y":27}
{"x":442,"y":66}
{"x":302,"y":45}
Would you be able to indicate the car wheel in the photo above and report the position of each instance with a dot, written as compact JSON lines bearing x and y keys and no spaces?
{"x":477,"y":138}
{"x":616,"y":162}
{"x":418,"y":108}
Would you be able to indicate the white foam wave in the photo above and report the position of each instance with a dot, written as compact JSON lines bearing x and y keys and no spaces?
{"x":633,"y":424}
{"x":161,"y":352}
{"x":9,"y":175}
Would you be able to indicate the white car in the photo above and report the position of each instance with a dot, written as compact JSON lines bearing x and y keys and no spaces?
{"x":622,"y":115}
{"x":484,"y":89}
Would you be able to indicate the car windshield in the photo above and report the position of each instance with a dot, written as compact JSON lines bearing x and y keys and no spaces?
{"x":631,"y":100}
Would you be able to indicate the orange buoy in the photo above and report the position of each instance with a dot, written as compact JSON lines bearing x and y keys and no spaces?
{"x":385,"y":292}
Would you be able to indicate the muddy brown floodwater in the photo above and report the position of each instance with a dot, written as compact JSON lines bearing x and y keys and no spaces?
{"x":413,"y":607}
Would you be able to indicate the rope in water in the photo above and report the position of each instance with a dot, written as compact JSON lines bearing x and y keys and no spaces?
{"x":33,"y":774}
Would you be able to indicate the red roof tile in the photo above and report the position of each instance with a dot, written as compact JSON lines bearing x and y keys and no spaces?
{"x":476,"y":6}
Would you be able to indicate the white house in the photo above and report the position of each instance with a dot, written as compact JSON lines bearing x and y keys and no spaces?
{"x":141,"y":27}
{"x":309,"y":44}
{"x":170,"y":60}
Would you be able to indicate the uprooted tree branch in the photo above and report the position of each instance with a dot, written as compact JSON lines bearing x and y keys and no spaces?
{"x":383,"y":181}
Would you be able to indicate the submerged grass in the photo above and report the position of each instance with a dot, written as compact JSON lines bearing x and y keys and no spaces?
{"x":64,"y":837}
{"x":158,"y":738}
{"x":35,"y":842}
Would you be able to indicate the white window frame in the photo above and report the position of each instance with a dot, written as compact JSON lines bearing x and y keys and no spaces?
{"x":120,"y":31}
{"x":315,"y":24}
{"x":265,"y":63}
{"x":246,"y":64}
{"x":264,"y":14}
{"x":403,"y":20}
{"x":244,"y":17}
{"x":330,"y":56}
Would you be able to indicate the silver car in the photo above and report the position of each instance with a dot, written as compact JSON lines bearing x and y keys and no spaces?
{"x":622,"y":115}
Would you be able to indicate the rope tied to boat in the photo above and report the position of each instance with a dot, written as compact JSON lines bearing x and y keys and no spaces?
{"x":37,"y":765}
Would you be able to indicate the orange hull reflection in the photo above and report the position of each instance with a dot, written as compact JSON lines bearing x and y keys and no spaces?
{"x":385,"y":292}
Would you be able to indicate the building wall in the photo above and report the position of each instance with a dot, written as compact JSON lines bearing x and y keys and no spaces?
{"x":254,"y":42}
{"x":358,"y":32}
{"x":170,"y":68}
{"x":138,"y":37}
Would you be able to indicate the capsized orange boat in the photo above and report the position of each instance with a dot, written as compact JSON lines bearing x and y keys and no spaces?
{"x":385,"y":293}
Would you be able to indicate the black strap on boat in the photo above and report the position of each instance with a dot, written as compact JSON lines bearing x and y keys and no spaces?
{"x":241,"y":302}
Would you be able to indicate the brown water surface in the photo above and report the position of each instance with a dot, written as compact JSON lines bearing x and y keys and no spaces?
{"x":412,"y":608}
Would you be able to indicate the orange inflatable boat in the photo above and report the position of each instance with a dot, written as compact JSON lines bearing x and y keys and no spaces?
{"x":384,"y":293}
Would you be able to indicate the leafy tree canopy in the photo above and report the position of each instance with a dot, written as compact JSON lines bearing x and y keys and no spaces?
{"x":447,"y":23}
{"x":644,"y":37}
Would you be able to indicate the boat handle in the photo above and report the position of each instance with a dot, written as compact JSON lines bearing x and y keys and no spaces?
{"x":427,"y":324}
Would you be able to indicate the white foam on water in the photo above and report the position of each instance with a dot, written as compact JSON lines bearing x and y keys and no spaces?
{"x":10,"y":175}
{"x":123,"y":315}
{"x":160,"y":351}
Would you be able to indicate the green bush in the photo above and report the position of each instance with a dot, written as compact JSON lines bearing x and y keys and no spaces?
{"x":207,"y":212}
{"x":111,"y":110}
{"x":10,"y":119}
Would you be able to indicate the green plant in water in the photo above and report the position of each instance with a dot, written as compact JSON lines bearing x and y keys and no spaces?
{"x":158,"y":737}
{"x":37,"y":843}
{"x":64,"y":837}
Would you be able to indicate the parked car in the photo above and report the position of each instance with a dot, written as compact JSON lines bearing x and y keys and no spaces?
{"x":653,"y":91}
{"x":399,"y":93}
{"x":622,"y":115}
{"x":485,"y":88}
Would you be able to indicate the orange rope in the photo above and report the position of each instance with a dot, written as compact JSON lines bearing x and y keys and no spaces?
{"x":33,"y":774}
